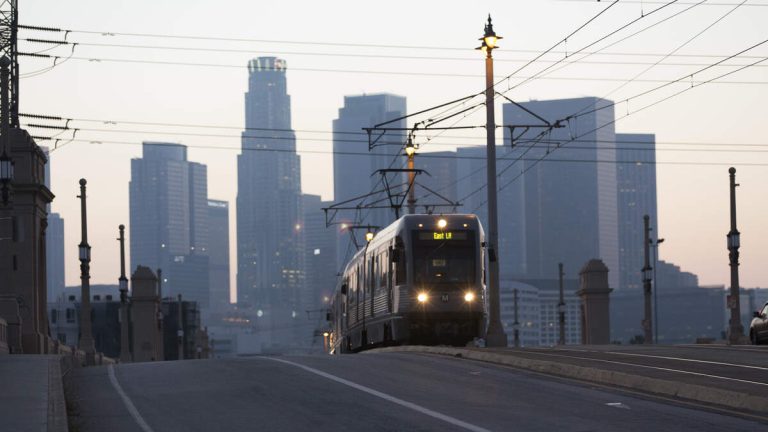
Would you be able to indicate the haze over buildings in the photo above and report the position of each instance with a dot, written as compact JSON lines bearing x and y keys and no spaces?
{"x":269,"y":243}
{"x":570,"y":208}
{"x":218,"y":251}
{"x":636,"y":184}
{"x":354,"y":175}
{"x":169,"y":219}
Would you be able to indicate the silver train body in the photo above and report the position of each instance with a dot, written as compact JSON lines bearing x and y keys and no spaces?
{"x":418,"y":281}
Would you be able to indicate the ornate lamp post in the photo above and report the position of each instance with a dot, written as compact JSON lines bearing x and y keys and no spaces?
{"x":735,"y":328}
{"x":494,"y":336}
{"x":655,"y":245}
{"x":86,"y":342}
{"x":410,"y":151}
{"x":125,"y":352}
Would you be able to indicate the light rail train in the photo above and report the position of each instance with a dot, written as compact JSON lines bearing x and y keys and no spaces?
{"x":418,"y":281}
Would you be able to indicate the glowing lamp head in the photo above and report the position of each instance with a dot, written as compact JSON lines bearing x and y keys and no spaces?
{"x":422,"y":297}
{"x":490,"y":38}
{"x":368,"y":236}
{"x":442,"y":223}
{"x":469,"y":297}
{"x":410,"y":150}
{"x":326,"y":334}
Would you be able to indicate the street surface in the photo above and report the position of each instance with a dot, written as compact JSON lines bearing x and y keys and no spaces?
{"x":370,"y":392}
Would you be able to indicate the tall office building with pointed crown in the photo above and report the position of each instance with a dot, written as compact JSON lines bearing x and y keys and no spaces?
{"x":269,"y":252}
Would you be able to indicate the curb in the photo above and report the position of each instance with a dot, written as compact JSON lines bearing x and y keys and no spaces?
{"x":694,"y":392}
{"x":57,"y":407}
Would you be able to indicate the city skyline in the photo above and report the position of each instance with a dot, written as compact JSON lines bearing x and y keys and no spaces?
{"x":684,"y":119}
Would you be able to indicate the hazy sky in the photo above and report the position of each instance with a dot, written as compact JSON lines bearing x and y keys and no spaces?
{"x":711,"y":120}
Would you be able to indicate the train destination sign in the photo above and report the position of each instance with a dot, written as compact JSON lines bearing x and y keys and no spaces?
{"x":442,"y":235}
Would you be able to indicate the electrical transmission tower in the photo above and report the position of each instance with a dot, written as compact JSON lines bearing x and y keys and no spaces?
{"x":9,"y":24}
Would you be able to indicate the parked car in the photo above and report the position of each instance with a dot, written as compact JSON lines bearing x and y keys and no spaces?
{"x":758,"y":329}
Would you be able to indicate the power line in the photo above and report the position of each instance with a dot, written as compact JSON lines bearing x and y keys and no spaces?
{"x":317,"y":131}
{"x":423,"y":155}
{"x":350,"y":71}
{"x":357,"y":55}
{"x":602,"y":38}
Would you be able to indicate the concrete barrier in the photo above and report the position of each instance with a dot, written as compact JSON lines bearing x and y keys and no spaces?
{"x":3,"y":337}
{"x":677,"y":389}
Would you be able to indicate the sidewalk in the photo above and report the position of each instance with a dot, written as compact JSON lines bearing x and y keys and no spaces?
{"x":31,"y":394}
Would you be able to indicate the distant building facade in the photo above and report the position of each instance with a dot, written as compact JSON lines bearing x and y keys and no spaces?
{"x":218,"y":252}
{"x":169,"y":219}
{"x":54,"y":243}
{"x":439,"y":183}
{"x":567,"y":202}
{"x":270,"y":265}
{"x":320,"y":255}
{"x":537,"y":311}
{"x":64,"y":318}
{"x":54,"y":251}
{"x":636,"y":187}
{"x":353,"y":173}
{"x":470,"y":188}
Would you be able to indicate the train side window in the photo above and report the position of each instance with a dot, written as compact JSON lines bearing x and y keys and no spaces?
{"x":400,"y":275}
{"x":385,"y":266}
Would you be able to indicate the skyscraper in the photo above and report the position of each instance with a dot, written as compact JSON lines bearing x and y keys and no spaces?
{"x":169,"y":219}
{"x":353,"y":174}
{"x":269,"y":250}
{"x":54,"y":243}
{"x":471,"y":180}
{"x":54,"y":251}
{"x":320,"y":253}
{"x":440,"y":177}
{"x":218,"y":251}
{"x":569,"y":198}
{"x":636,"y":187}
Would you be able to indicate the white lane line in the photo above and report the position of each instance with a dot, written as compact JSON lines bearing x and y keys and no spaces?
{"x":653,"y":367}
{"x":127,"y":401}
{"x":370,"y":391}
{"x":750,"y":348}
{"x":688,"y":360}
{"x":617,"y":405}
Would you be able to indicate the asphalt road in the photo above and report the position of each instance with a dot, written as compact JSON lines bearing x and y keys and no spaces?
{"x":365,"y":392}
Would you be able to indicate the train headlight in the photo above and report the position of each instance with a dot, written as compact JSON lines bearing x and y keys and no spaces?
{"x":422,"y":297}
{"x":469,"y":297}
{"x":442,"y":223}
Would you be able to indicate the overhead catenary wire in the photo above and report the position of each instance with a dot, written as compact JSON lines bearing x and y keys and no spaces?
{"x":88,"y":141}
{"x":368,"y":55}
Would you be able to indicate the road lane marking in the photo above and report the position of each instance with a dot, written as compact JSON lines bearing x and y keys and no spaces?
{"x":127,"y":401}
{"x":652,"y":367}
{"x":617,"y":405}
{"x":370,"y":391}
{"x":688,"y":360}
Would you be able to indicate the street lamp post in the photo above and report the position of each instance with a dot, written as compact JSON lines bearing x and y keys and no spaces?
{"x":647,"y":276}
{"x":735,"y":329}
{"x":516,"y":324}
{"x":656,"y":287}
{"x":125,"y":351}
{"x":410,"y":151}
{"x":494,"y":336}
{"x":86,"y":342}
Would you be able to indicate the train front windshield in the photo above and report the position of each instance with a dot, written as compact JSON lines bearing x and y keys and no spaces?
{"x":444,"y":257}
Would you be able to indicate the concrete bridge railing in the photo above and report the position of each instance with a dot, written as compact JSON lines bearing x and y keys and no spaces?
{"x":3,"y":337}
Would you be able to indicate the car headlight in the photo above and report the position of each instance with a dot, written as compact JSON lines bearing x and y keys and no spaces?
{"x":422,"y":297}
{"x":469,"y":297}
